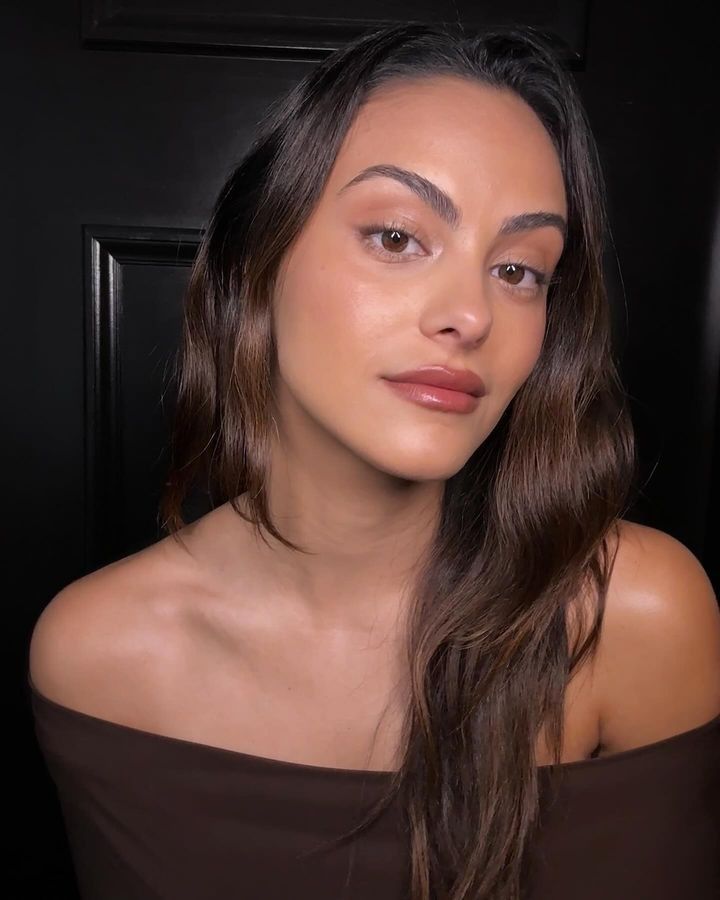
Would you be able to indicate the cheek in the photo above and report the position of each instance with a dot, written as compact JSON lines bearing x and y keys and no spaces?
{"x":535,"y":336}
{"x":520,"y":348}
{"x":325,"y":324}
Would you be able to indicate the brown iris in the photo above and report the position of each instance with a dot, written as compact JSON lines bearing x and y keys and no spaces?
{"x":398,"y":242}
{"x":515,"y":272}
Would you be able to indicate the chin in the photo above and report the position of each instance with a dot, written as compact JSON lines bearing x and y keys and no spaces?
{"x":429,"y":465}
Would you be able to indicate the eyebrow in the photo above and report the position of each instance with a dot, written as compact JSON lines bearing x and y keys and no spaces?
{"x":445,"y":207}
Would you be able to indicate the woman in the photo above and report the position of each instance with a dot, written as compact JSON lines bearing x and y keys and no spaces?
{"x":414,"y":606}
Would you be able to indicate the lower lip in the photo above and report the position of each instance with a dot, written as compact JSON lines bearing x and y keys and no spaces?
{"x":433,"y":397}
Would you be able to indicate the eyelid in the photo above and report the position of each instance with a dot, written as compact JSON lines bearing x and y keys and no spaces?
{"x":407,"y":226}
{"x":541,"y":278}
{"x":367,"y":231}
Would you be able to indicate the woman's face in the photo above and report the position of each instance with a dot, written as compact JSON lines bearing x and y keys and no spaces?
{"x":379,"y":281}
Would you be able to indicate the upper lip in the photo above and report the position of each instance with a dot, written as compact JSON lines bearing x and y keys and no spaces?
{"x":441,"y":376}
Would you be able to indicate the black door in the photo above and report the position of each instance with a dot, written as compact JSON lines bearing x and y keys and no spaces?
{"x":122,"y":120}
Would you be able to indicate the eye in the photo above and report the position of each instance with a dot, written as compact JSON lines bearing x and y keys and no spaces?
{"x":393,"y":240}
{"x":516,"y":276}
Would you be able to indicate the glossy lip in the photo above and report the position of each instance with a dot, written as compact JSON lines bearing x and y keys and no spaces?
{"x":432,"y":397}
{"x":443,"y":377}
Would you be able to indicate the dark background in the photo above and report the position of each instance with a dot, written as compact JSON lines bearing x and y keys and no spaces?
{"x":122,"y":120}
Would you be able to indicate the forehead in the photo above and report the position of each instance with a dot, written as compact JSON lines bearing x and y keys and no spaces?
{"x":478,"y":142}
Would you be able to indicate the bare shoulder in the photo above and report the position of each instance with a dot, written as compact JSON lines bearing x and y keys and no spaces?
{"x":659,"y":657}
{"x":106,"y":642}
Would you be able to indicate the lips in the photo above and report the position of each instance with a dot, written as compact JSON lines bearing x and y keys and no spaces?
{"x":462,"y":380}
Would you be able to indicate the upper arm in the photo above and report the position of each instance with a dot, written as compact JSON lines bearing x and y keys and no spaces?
{"x":659,"y":658}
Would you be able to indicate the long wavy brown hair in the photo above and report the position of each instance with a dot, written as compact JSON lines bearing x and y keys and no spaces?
{"x":495,"y":631}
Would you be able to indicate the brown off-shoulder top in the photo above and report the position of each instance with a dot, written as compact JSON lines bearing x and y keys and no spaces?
{"x":151,"y":817}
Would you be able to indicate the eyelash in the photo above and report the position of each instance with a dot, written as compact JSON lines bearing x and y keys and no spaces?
{"x":541,"y":278}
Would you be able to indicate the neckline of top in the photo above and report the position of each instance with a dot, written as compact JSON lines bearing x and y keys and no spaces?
{"x":579,"y":764}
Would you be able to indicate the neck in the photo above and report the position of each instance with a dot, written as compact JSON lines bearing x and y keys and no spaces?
{"x":366,"y":532}
{"x":363,"y":549}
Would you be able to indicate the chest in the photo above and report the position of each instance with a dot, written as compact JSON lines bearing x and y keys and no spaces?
{"x":322,"y":701}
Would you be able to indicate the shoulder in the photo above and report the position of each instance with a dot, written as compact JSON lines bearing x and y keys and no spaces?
{"x":659,"y":654}
{"x":111,"y":637}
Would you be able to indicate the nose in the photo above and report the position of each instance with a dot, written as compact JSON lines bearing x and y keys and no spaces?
{"x":460,"y":307}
